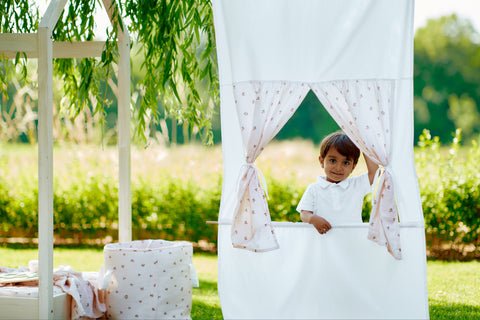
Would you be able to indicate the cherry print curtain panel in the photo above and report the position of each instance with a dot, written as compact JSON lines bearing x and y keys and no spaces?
{"x":263,"y":109}
{"x":362,"y":108}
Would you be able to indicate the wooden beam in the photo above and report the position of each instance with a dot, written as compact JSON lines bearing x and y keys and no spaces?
{"x":16,"y":42}
{"x":45,"y":173}
{"x":61,"y":49}
{"x":124,"y":95}
{"x":51,"y":15}
{"x":87,"y":49}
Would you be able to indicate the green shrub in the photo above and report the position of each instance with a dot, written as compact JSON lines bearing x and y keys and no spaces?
{"x":86,"y":207}
{"x":284,"y":197}
{"x":169,"y":206}
{"x":450,"y":188}
{"x":173,"y":209}
{"x":18,"y":208}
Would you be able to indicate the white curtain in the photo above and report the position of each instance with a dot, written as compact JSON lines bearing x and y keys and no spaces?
{"x":263,"y":109}
{"x":362,"y":109}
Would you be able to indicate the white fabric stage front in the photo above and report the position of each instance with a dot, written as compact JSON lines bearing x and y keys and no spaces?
{"x":357,"y":57}
{"x":340,"y":276}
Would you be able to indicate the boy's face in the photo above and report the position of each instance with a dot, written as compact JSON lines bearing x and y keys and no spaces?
{"x":337,"y":167}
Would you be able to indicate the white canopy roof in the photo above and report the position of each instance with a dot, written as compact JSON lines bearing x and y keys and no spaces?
{"x":312,"y":40}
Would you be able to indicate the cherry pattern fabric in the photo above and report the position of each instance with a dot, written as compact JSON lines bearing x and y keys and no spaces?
{"x":150,"y":279}
{"x":263,"y":109}
{"x":360,"y":107}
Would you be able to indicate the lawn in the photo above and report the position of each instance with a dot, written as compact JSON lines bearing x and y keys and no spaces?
{"x":454,"y":287}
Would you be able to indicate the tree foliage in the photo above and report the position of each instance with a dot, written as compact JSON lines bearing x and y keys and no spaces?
{"x":18,"y":16}
{"x":177,"y":44}
{"x":178,"y":48}
{"x":175,"y":49}
{"x":447,"y":81}
{"x":15,"y":16}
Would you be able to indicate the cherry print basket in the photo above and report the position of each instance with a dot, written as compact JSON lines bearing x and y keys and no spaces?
{"x":149,"y":279}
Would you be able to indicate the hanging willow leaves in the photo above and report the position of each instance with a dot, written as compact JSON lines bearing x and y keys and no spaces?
{"x":82,"y":77}
{"x":16,"y":16}
{"x":177,"y":43}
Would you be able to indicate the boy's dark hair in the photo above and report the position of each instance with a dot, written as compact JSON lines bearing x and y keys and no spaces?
{"x":340,"y":141}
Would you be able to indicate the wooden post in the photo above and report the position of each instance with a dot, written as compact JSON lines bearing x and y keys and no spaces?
{"x":124,"y":94}
{"x":41,"y":46}
{"x":45,"y":158}
{"x":45,"y":173}
{"x":124,"y":176}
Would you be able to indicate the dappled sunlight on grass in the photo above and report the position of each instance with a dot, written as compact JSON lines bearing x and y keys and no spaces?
{"x":80,"y":259}
{"x":458,"y":281}
{"x":454,"y":290}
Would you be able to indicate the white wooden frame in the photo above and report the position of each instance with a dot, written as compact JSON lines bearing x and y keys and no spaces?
{"x":41,"y":46}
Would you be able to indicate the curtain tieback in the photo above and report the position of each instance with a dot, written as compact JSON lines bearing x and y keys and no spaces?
{"x":380,"y":174}
{"x":381,"y":171}
{"x":262,"y":178}
{"x":388,"y":168}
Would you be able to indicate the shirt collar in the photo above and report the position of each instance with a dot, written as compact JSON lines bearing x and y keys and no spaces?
{"x":322,"y":180}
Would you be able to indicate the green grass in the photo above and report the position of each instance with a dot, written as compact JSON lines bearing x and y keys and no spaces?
{"x":454,"y":287}
{"x":81,"y":259}
{"x":454,"y":290}
{"x":205,"y":298}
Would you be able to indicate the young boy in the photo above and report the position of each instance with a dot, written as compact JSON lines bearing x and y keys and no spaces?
{"x":335,"y":198}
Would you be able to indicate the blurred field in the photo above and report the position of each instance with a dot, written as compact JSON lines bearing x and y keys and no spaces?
{"x":298,"y":158}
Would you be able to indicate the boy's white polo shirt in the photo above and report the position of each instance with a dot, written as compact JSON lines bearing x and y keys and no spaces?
{"x":336,"y":202}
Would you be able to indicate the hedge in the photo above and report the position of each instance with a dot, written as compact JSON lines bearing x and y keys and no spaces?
{"x":168,"y":207}
{"x":450,"y":190}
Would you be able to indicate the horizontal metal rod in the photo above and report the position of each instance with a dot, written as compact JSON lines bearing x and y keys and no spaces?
{"x":286,"y":224}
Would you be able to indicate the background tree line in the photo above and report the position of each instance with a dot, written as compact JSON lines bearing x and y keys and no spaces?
{"x":446,"y":97}
{"x":446,"y":85}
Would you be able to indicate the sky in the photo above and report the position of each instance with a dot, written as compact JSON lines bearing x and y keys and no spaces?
{"x":424,"y":10}
{"x":427,"y":9}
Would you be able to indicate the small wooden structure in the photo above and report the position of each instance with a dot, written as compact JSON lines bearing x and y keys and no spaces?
{"x":40,"y":45}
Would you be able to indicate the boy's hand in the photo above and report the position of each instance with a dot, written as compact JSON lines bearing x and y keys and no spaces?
{"x":320,"y":224}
